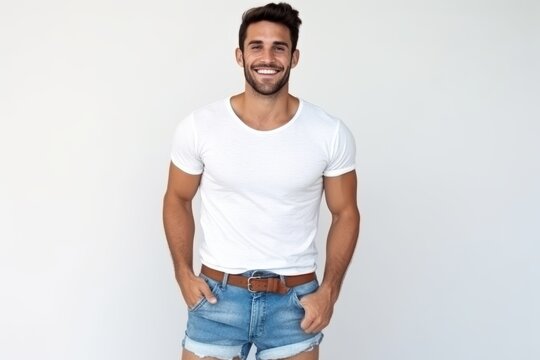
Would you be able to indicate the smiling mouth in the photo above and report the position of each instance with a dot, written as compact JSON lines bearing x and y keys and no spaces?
{"x":266,"y":71}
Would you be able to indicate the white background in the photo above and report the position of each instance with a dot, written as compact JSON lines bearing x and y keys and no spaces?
{"x":442,"y":96}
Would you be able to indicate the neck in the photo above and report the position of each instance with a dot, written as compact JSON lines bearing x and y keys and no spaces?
{"x":265,"y":112}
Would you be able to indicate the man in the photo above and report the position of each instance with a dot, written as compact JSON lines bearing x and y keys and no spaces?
{"x":261,"y":160}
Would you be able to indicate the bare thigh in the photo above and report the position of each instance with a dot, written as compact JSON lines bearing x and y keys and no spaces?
{"x":188,"y":355}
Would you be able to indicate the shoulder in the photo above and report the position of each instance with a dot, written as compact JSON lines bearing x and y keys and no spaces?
{"x":316,"y":117}
{"x":207,"y":117}
{"x":210,"y":111}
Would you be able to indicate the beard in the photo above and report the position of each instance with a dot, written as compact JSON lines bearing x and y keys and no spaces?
{"x":270,"y":88}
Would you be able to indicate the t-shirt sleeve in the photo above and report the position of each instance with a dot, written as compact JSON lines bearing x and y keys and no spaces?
{"x":185,"y":153}
{"x":342,"y":152}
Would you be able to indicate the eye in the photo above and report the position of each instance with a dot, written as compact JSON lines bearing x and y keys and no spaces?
{"x":280,"y":48}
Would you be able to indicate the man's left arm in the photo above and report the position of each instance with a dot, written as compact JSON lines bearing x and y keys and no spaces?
{"x":340,"y":192}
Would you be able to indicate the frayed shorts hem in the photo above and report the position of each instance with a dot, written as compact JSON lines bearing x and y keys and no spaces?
{"x":229,"y":352}
{"x":222,"y":352}
{"x":291,"y":349}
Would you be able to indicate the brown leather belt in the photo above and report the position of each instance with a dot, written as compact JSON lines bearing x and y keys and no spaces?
{"x":260,"y":284}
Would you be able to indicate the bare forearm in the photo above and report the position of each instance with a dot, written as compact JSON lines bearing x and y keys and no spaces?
{"x":341,"y":242}
{"x":179,"y":230}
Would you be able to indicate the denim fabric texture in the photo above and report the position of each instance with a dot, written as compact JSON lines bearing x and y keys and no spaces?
{"x":241,"y":318}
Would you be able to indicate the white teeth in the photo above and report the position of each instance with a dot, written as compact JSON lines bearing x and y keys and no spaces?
{"x":266,"y":71}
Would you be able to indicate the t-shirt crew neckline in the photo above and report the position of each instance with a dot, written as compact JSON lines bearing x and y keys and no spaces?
{"x":272,"y":131}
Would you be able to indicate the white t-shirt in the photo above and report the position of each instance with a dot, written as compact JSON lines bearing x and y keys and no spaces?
{"x":261,"y":190}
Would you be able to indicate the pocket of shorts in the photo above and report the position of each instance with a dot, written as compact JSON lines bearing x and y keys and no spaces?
{"x":298,"y":292}
{"x":214,"y":287}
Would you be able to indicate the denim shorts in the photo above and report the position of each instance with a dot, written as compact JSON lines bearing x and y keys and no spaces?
{"x":241,"y":318}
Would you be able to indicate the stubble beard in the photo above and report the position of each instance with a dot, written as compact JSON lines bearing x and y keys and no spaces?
{"x":271,"y":89}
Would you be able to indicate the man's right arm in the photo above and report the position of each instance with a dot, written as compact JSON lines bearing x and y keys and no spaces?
{"x":180,"y":229}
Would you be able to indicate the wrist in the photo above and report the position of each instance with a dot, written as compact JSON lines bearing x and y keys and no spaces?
{"x":330,"y":291}
{"x":184,"y":272}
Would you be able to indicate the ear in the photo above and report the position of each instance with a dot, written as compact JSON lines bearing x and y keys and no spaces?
{"x":239,"y":57}
{"x":295,"y":58}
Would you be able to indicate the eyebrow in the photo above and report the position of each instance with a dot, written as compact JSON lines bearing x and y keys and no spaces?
{"x":258,"y":42}
{"x":281,"y":43}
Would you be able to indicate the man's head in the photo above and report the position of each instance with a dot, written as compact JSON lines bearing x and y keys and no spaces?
{"x":267,"y":47}
{"x":281,"y":13}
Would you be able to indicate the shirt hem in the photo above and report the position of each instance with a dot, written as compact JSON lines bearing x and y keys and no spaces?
{"x":186,"y":169}
{"x":338,"y":172}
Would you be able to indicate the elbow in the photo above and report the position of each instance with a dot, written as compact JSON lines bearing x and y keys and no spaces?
{"x":172,"y":200}
{"x":350,"y":215}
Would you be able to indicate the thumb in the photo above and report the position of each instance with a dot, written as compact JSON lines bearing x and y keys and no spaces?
{"x":306,"y":321}
{"x":207,"y":293}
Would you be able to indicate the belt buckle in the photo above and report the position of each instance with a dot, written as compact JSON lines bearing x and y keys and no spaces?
{"x":249,"y":283}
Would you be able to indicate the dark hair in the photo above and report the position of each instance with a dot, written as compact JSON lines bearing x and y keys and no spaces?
{"x":281,"y":13}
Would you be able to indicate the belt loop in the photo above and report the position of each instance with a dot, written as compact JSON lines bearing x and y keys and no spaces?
{"x":225,"y":278}
{"x":282,"y":279}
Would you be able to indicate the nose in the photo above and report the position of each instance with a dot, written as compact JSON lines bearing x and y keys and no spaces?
{"x":268,"y":55}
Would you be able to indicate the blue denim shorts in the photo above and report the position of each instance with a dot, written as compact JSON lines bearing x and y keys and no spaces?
{"x":241,"y":318}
